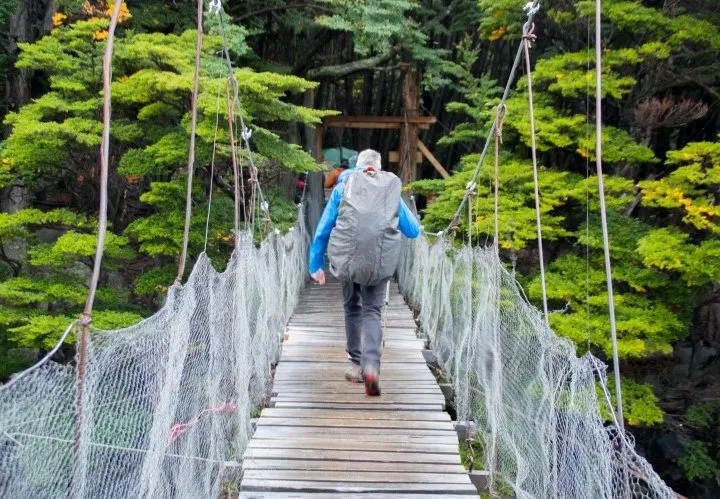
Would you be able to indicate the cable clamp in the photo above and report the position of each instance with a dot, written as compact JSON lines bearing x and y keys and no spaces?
{"x":215,"y":7}
{"x":532,"y":7}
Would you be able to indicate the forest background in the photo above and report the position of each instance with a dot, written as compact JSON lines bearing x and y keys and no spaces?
{"x":301,"y":60}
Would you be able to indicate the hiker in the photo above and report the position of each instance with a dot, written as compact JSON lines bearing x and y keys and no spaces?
{"x":360,"y":227}
{"x":332,"y":177}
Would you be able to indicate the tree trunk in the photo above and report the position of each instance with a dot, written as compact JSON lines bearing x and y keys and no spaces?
{"x":315,"y":194}
{"x":409,"y":132}
{"x":31,"y":20}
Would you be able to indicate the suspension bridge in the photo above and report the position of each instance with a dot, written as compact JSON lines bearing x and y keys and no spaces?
{"x":163,"y":409}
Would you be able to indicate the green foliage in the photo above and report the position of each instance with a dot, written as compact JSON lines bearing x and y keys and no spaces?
{"x":691,"y":189}
{"x":283,"y":212}
{"x":17,"y":224}
{"x":73,"y":246}
{"x":701,"y":442}
{"x":698,"y":462}
{"x":373,"y":24}
{"x":644,"y":326}
{"x":479,"y":95}
{"x":663,"y":216}
{"x":156,"y":280}
{"x":53,"y":145}
{"x":670,"y":249}
{"x":703,"y":416}
{"x":639,"y":403}
{"x":516,"y":214}
{"x":153,"y":77}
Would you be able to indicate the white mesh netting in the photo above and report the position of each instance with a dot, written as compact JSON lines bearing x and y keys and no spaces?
{"x":533,"y":400}
{"x":167,"y":403}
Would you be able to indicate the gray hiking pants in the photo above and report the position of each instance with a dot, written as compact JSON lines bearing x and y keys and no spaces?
{"x":363,"y":328}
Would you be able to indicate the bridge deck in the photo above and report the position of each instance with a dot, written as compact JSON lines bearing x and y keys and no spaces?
{"x":322,"y":437}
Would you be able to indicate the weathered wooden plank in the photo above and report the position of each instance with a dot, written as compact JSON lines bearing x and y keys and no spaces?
{"x":351,"y":455}
{"x":360,"y":396}
{"x":339,"y":375}
{"x":343,"y":360}
{"x":330,"y":390}
{"x":339,"y":414}
{"x":379,"y":435}
{"x":329,"y":383}
{"x":355,"y":445}
{"x":368,"y":424}
{"x":354,"y":466}
{"x":333,"y":495}
{"x":409,"y":371}
{"x":357,"y":476}
{"x":323,"y":435}
{"x":346,"y":387}
{"x":252,"y":484}
{"x":359,"y":406}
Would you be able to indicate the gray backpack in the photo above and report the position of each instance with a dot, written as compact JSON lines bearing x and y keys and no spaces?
{"x":364,"y":246}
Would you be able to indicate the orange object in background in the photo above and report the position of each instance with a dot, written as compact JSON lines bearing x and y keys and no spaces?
{"x":332,"y":177}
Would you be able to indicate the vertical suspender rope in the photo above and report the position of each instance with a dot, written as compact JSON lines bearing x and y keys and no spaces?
{"x":470,"y":221}
{"x":212,"y":171}
{"x":233,"y":154}
{"x":216,"y":6}
{"x":499,"y":118}
{"x":245,"y":133}
{"x":102,"y":230}
{"x":603,"y":211}
{"x":528,"y":38}
{"x":191,"y":152}
{"x":532,"y":8}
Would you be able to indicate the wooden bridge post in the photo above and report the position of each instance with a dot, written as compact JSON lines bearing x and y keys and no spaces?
{"x":315,"y":194}
{"x":409,"y":131}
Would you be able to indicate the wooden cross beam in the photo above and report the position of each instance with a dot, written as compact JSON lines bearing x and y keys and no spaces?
{"x":377,"y":122}
{"x":394,"y":157}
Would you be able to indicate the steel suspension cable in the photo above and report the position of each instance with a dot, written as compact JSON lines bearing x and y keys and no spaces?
{"x":191,"y":149}
{"x":233,"y":154}
{"x":532,"y":9}
{"x":245,"y":132}
{"x":212,"y":170}
{"x":603,"y":210}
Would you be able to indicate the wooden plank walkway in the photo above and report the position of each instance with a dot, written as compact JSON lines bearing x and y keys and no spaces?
{"x":322,"y":437}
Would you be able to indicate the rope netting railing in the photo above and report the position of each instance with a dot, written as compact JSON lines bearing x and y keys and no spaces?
{"x":167,"y":402}
{"x":161,"y":409}
{"x":534,"y":401}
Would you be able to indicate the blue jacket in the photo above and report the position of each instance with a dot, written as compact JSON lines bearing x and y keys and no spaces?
{"x":407,"y":223}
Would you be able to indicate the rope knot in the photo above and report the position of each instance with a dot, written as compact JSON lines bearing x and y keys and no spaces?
{"x":529,"y":33}
{"x":85,"y":319}
{"x":500,"y":119}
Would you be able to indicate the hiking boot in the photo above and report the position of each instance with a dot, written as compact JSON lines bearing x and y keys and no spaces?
{"x":372,"y":382}
{"x":354,"y":374}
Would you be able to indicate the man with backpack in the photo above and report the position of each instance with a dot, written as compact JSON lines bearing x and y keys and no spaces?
{"x":360,"y":228}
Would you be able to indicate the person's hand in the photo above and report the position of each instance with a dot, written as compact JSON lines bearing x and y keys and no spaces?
{"x":319,"y":276}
